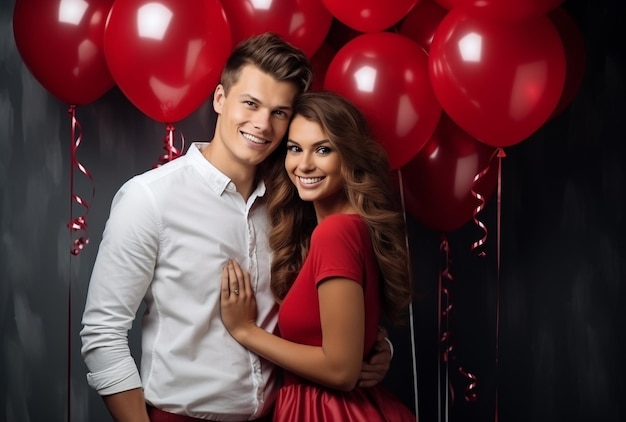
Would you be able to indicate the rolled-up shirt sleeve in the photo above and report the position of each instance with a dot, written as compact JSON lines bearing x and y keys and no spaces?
{"x":122,"y":273}
{"x":122,"y":375}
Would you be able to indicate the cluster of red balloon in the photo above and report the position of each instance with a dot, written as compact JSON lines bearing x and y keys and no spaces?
{"x":165,"y":55}
{"x":439,"y":80}
{"x":444,"y":83}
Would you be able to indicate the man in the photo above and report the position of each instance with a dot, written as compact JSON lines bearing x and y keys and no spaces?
{"x":170,"y":232}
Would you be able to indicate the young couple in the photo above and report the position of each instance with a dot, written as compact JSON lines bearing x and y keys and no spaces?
{"x":326,"y":232}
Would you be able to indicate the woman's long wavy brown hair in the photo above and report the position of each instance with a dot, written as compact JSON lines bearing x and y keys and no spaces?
{"x":369,"y":189}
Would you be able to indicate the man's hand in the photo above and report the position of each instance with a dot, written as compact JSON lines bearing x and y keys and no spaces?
{"x":376,"y":367}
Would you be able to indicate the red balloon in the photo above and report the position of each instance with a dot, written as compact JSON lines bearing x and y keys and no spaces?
{"x":422,"y":21}
{"x":506,"y":9}
{"x":438,"y":182}
{"x":499,"y":81}
{"x":369,"y":15}
{"x":386,"y":76}
{"x":575,"y":56}
{"x":303,"y":23}
{"x":61,"y":45}
{"x":167,"y":55}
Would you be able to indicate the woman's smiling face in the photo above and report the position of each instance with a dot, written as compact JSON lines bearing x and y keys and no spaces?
{"x":313,"y":165}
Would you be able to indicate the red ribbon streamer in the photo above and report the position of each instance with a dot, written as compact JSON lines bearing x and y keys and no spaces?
{"x":171,"y":152}
{"x":78,"y":224}
{"x":443,"y":332}
{"x":445,"y":336}
{"x":444,"y":296}
{"x":470,"y":394}
{"x":481,"y":206}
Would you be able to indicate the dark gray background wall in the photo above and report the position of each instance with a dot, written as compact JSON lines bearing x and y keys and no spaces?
{"x":557,"y":354}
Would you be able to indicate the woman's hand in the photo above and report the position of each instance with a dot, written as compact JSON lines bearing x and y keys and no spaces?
{"x":237,"y":301}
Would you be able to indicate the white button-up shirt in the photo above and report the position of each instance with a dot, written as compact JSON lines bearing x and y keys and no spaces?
{"x":170,"y":232}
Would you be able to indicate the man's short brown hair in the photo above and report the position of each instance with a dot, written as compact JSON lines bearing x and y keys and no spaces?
{"x":272,"y":55}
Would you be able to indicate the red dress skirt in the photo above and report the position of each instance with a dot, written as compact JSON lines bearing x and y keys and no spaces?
{"x":313,"y":403}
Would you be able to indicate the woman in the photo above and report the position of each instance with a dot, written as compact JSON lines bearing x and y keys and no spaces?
{"x":340,"y":261}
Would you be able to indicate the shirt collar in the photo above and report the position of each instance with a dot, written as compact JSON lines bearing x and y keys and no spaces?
{"x":217,"y":180}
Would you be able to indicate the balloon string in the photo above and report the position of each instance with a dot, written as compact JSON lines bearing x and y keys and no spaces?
{"x":411,"y":320}
{"x":439,"y":332}
{"x":68,"y":339}
{"x":171,"y":152}
{"x":501,"y":154}
{"x":480,"y":206}
{"x":78,"y":224}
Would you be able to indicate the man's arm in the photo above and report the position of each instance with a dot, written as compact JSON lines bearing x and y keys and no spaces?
{"x":122,"y":272}
{"x":128,"y":406}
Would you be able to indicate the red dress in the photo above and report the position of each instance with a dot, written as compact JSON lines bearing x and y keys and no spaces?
{"x":340,"y":247}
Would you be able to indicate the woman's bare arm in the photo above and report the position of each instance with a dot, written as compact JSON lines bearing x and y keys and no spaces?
{"x":337,"y":364}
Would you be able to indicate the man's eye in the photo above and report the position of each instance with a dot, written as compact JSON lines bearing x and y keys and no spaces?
{"x":281,"y":113}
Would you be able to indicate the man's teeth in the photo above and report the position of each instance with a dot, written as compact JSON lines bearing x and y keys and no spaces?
{"x":310,"y":180}
{"x":254,"y":139}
